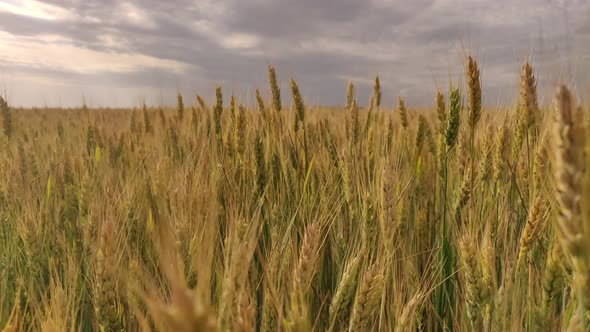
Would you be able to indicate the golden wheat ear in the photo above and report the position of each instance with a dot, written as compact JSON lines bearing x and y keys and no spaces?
{"x":473,"y":92}
{"x":274,"y":89}
{"x":569,"y":174}
{"x":532,"y":230}
{"x":528,"y":103}
{"x":477,"y":292}
{"x":367,"y":299}
{"x":183,"y":310}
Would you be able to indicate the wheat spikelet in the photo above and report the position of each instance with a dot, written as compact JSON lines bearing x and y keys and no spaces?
{"x":217,"y":111}
{"x":485,"y":162}
{"x":232,"y":109}
{"x":390,"y":133}
{"x":369,"y":117}
{"x":406,"y":319}
{"x":441,"y":112}
{"x":540,"y":163}
{"x":454,"y":118}
{"x":260,"y":103}
{"x":502,"y":301}
{"x":473,"y":92}
{"x":180,"y":107}
{"x":208,"y":123}
{"x":297,"y":103}
{"x":463,"y":154}
{"x":420,"y":133}
{"x":261,"y":176}
{"x":369,"y":226}
{"x":306,"y":264}
{"x":569,"y":172}
{"x":553,"y":280}
{"x":367,"y":300}
{"x":346,"y":183}
{"x":201,"y":103}
{"x":528,"y":95}
{"x":441,"y":149}
{"x":532,"y":229}
{"x":345,"y":290}
{"x":500,"y":147}
{"x":369,"y":152}
{"x":523,"y":174}
{"x":463,"y":196}
{"x":330,"y":144}
{"x":377,"y":92}
{"x":7,"y":125}
{"x":274,"y":88}
{"x":476,"y":288}
{"x":518,"y":140}
{"x":403,"y":112}
{"x":241,"y":130}
{"x":90,"y":140}
{"x":356,"y":125}
{"x":349,"y":95}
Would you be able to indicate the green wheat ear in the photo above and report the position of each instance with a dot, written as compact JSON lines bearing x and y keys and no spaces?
{"x":528,"y":95}
{"x":180,"y":107}
{"x":274,"y":88}
{"x":420,"y":133}
{"x":473,"y":92}
{"x":441,"y":111}
{"x":349,"y":95}
{"x":6,"y":118}
{"x":297,"y":104}
{"x":454,"y":118}
{"x":377,"y":92}
{"x":217,"y":112}
{"x":403,"y":112}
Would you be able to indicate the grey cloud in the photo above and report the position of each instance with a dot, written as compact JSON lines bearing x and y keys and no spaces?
{"x":308,"y":18}
{"x":414,"y":45}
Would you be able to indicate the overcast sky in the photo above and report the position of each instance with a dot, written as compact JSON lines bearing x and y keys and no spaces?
{"x":116,"y":52}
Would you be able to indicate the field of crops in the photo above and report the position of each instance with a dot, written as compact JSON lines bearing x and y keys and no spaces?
{"x":269,"y":217}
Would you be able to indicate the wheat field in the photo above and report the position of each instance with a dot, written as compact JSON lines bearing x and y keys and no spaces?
{"x":269,"y":217}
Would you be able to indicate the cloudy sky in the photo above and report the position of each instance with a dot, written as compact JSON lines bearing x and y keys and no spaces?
{"x":117,"y":52}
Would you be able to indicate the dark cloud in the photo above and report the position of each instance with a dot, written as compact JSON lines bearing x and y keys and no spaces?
{"x":415,"y":46}
{"x":300,"y":20}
